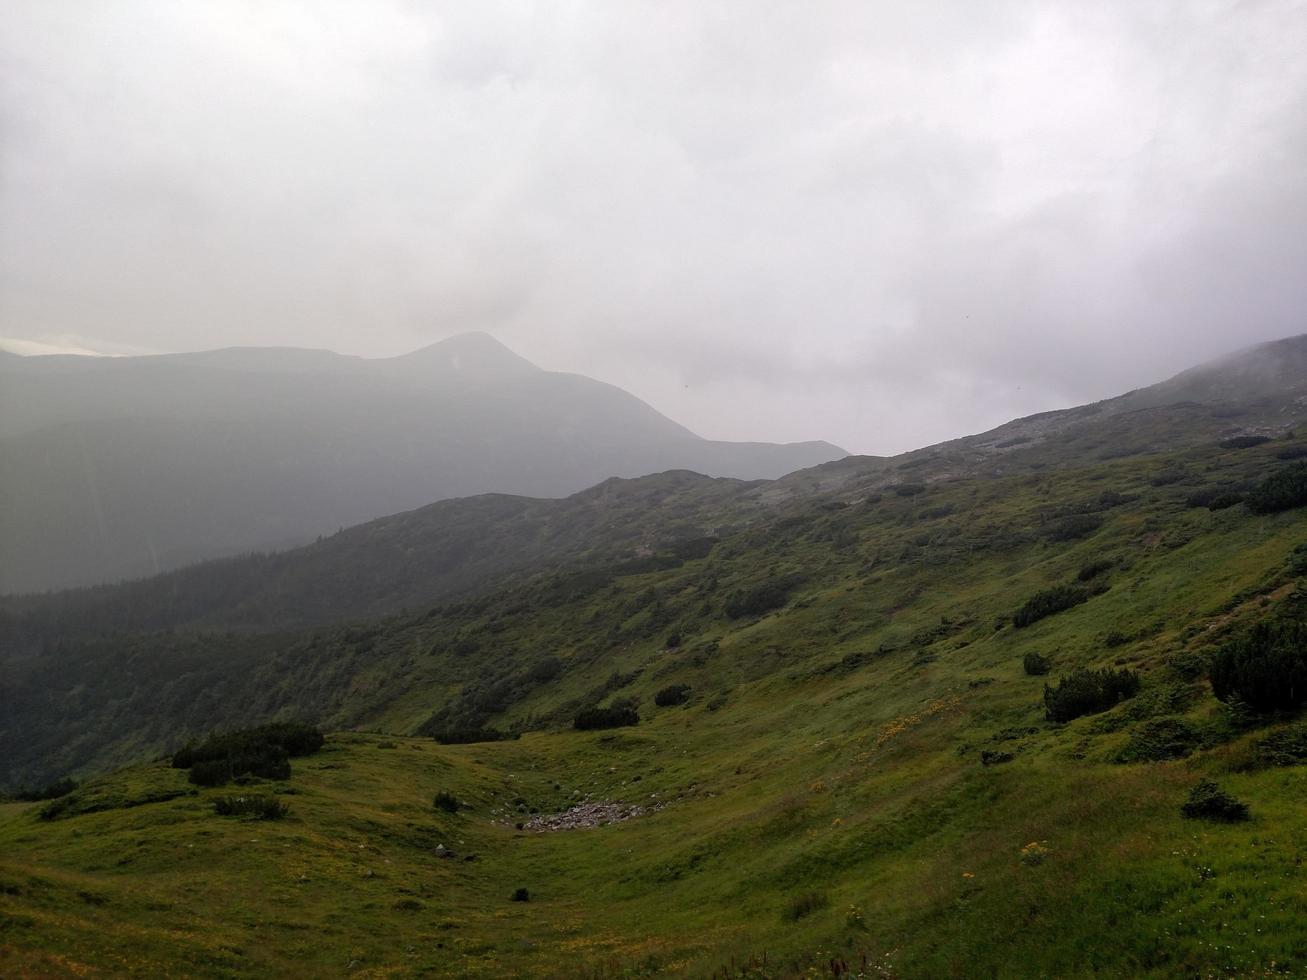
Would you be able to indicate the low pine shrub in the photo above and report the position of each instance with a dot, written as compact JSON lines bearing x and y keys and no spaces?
{"x":254,"y":807}
{"x":1266,"y":668}
{"x":804,"y":905}
{"x":1159,"y":741}
{"x":264,"y":752}
{"x":1047,"y":603}
{"x":1094,"y":569}
{"x":445,"y":801}
{"x":618,"y":716}
{"x":1207,"y":801}
{"x":51,"y":792}
{"x":672,"y":695}
{"x":467,"y":736}
{"x":521,"y":895}
{"x":1244,"y":442}
{"x":1087,"y":692}
{"x":761,"y":598}
{"x":1283,"y":490}
{"x":1036,"y":664}
{"x":1074,"y":527}
{"x":1286,"y":747}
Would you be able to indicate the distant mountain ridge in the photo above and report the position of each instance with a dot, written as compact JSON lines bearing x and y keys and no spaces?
{"x":453,"y":547}
{"x":115,"y":468}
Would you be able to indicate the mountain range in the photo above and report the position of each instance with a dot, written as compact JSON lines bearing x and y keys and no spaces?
{"x":1019,"y":704}
{"x":117,"y":468}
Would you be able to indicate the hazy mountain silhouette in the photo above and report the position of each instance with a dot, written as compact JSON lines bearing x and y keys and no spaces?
{"x":119,"y":467}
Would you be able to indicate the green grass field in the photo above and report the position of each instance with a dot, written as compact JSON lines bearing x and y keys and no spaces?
{"x":822,"y":795}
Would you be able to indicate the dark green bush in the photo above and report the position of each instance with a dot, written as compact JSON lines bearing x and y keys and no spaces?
{"x":264,"y":752}
{"x":1048,"y":602}
{"x":1093,"y":570}
{"x":50,"y":792}
{"x":467,"y":736}
{"x":1280,"y":491}
{"x":1036,"y":664}
{"x":672,"y":695}
{"x":805,"y":905}
{"x":1286,"y":747}
{"x":1266,"y":668}
{"x":446,"y":801}
{"x":618,"y":716}
{"x":1074,"y":527}
{"x":1087,"y":692}
{"x":758,"y":599}
{"x":994,"y":757}
{"x":1224,"y":501}
{"x":521,"y":895}
{"x":1292,"y":452}
{"x":1159,"y":741}
{"x":1244,"y":442}
{"x":1207,"y":801}
{"x":257,"y":807}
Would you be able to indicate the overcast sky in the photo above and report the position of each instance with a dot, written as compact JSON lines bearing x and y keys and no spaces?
{"x":878,"y":223}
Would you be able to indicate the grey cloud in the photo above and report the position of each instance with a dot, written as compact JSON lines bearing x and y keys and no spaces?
{"x":880,"y":224}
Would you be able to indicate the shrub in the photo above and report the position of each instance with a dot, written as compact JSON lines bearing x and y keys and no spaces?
{"x":1159,"y":741}
{"x":1093,"y":570}
{"x":262,"y":751}
{"x":618,"y":716}
{"x":1266,"y":668}
{"x":672,"y":695}
{"x":466,"y":736}
{"x":445,"y":801}
{"x":50,"y":792}
{"x":255,"y":807}
{"x":758,"y":599}
{"x":1048,"y":602}
{"x":1207,"y":801}
{"x":1286,"y":747}
{"x":1244,"y":442}
{"x":1073,"y":527}
{"x":1115,"y":638}
{"x":1292,"y":452}
{"x":521,"y":895}
{"x":1224,"y":501}
{"x":1036,"y":664}
{"x":805,"y":905}
{"x":1087,"y":692}
{"x":994,"y":757}
{"x":1283,"y":490}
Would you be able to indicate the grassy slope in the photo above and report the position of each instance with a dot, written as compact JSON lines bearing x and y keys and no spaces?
{"x":861,"y":784}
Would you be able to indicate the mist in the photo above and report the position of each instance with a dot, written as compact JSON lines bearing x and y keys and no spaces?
{"x":856,"y":222}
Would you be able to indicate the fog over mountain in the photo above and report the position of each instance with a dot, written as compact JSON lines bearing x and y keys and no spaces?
{"x":882,"y":224}
{"x":119,"y":467}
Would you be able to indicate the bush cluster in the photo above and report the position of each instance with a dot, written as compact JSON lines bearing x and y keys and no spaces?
{"x":256,"y":807}
{"x":466,"y":736}
{"x":1073,"y":527}
{"x":1160,"y":740}
{"x":672,"y":695}
{"x":446,"y":802}
{"x":1093,"y":569}
{"x":1048,"y":602}
{"x":803,"y":906}
{"x":1036,"y":664}
{"x":1087,"y":692}
{"x":1244,"y":442}
{"x":1207,"y":801}
{"x":1286,"y":747}
{"x":761,"y":598}
{"x":51,"y":792}
{"x":1266,"y":668}
{"x":1283,"y":490}
{"x":618,"y":716}
{"x":264,"y":751}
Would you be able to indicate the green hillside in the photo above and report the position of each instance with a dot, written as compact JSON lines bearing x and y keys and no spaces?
{"x":866,"y":737}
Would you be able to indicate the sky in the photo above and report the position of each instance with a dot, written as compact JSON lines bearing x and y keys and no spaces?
{"x":883,"y":224}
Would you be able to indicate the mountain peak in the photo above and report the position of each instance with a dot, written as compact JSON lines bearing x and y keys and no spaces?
{"x":467,"y":353}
